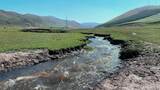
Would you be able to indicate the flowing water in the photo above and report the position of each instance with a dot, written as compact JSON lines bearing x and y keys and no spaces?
{"x":78,"y":72}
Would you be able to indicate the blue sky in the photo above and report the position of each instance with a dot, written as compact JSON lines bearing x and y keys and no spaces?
{"x":80,"y":10}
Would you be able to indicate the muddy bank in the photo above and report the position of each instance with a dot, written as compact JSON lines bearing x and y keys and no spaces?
{"x":138,"y":73}
{"x":9,"y":61}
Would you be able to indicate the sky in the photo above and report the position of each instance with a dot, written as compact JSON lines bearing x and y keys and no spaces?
{"x":99,"y":11}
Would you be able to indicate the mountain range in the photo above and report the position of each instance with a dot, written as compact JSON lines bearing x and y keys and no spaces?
{"x":138,"y":17}
{"x":142,"y":16}
{"x":89,"y":25}
{"x":9,"y":18}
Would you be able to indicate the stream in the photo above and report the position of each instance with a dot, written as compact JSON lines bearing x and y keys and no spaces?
{"x":79,"y":72}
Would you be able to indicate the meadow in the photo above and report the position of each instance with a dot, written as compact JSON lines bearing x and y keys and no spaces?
{"x":147,"y":34}
{"x":12,"y":39}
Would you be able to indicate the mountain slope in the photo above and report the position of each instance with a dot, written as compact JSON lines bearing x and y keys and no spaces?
{"x":147,"y":21}
{"x":9,"y":18}
{"x":133,"y":15}
{"x":150,"y":19}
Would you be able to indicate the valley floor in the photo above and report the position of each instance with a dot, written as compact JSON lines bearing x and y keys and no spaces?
{"x":140,"y":73}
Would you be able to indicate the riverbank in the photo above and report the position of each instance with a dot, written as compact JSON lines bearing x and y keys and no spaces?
{"x":78,"y":72}
{"x":18,"y":49}
{"x":9,"y":61}
{"x":138,"y":73}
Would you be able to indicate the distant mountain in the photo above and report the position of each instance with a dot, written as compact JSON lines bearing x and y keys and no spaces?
{"x":9,"y":18}
{"x":89,"y":25}
{"x":138,"y":16}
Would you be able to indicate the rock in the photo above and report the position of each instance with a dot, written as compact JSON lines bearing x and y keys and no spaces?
{"x":35,"y":61}
{"x":9,"y":83}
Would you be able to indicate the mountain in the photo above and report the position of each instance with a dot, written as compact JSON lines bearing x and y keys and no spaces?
{"x":9,"y":18}
{"x":89,"y":25}
{"x":138,"y":16}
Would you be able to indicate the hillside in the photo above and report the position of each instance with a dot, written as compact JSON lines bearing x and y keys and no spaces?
{"x":8,"y":18}
{"x":130,"y":17}
{"x":149,"y":20}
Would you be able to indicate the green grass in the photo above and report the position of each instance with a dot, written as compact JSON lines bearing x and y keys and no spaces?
{"x":148,"y":34}
{"x":14,"y":39}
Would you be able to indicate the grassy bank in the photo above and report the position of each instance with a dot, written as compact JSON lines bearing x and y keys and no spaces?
{"x":13,"y":39}
{"x":148,"y":34}
{"x":134,"y":36}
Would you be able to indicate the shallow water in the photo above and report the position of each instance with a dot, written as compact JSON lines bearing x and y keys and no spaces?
{"x":78,"y":72}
